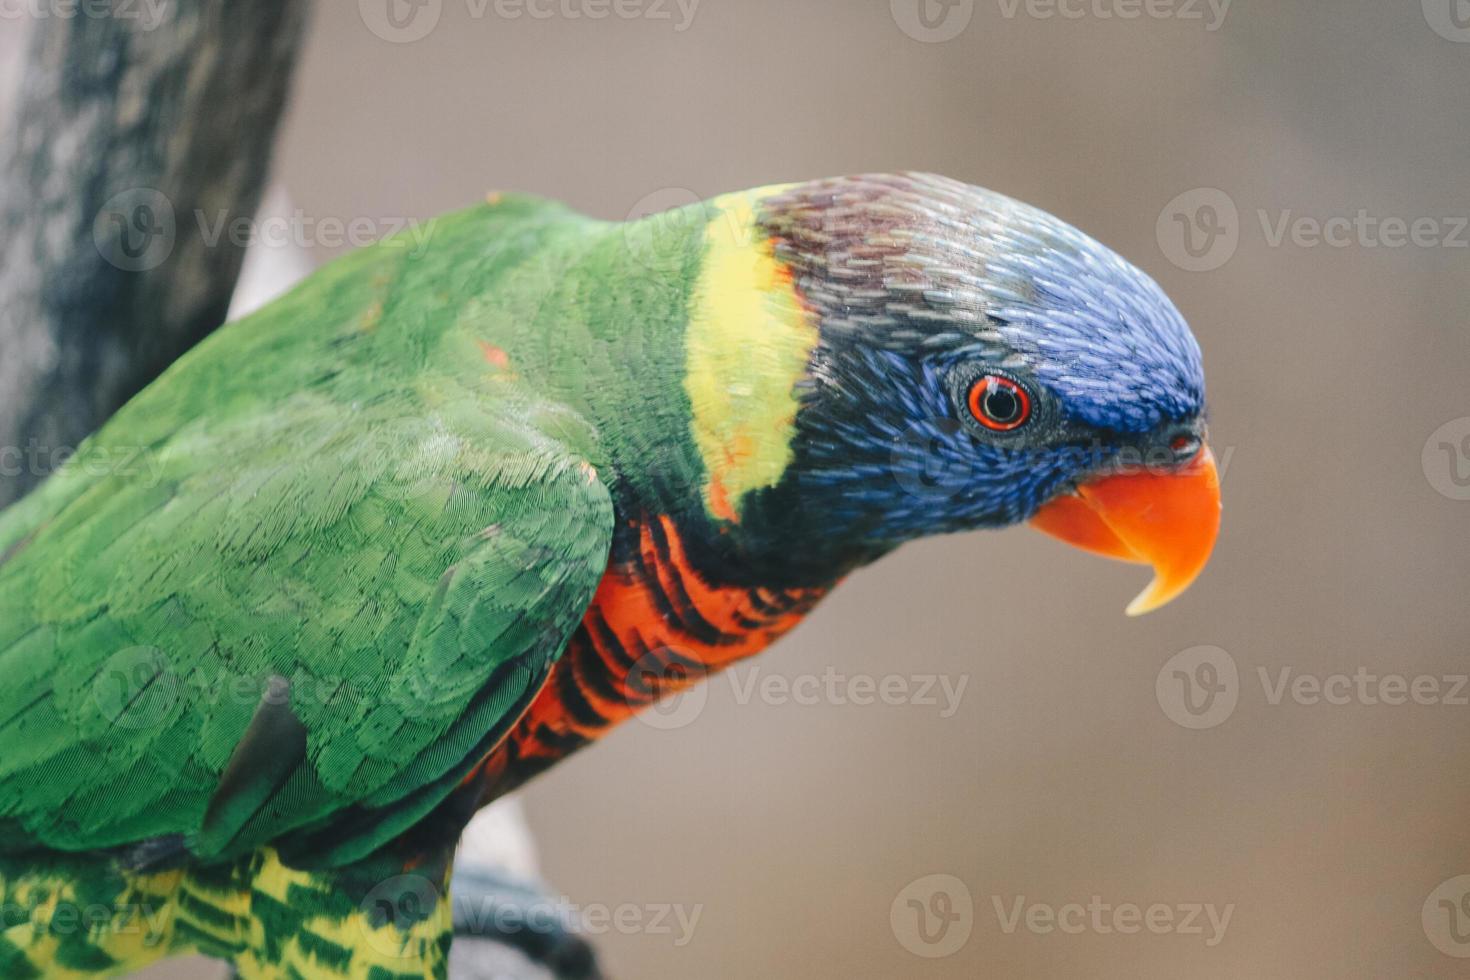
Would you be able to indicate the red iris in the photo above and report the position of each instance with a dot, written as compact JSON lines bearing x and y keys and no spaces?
{"x":999,"y":404}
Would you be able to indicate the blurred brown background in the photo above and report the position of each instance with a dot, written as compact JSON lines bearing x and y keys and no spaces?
{"x":794,"y":831}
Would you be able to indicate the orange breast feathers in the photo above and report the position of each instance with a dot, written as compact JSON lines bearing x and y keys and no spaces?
{"x":655,"y":627}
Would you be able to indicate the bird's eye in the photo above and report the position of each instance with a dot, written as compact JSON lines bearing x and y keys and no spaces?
{"x":999,"y":404}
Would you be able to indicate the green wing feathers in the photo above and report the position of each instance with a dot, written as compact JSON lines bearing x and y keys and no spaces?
{"x":298,"y":582}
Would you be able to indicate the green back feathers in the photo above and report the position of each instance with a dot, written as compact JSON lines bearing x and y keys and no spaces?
{"x":324,"y":493}
{"x":298,"y":585}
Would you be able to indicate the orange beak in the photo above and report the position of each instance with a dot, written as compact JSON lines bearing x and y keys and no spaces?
{"x":1165,"y":519}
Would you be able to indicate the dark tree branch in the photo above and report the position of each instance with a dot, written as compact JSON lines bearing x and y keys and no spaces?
{"x":133,"y":134}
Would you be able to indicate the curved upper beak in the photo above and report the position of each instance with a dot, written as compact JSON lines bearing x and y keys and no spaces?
{"x":1167,"y":519}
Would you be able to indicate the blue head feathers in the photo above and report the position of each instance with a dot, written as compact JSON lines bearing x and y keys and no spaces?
{"x":942,"y":309}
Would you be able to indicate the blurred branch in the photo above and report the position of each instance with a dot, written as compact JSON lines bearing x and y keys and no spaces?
{"x":507,"y":925}
{"x":134,"y":134}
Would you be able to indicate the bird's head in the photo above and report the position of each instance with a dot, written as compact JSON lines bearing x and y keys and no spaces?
{"x":934,"y":357}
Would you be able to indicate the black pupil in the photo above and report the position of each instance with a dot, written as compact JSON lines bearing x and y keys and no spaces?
{"x":1001,"y":404}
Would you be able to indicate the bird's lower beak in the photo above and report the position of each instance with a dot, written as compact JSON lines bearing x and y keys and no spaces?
{"x":1167,"y":519}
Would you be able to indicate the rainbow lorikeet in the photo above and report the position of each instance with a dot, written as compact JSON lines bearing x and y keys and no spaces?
{"x":370,"y":557}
